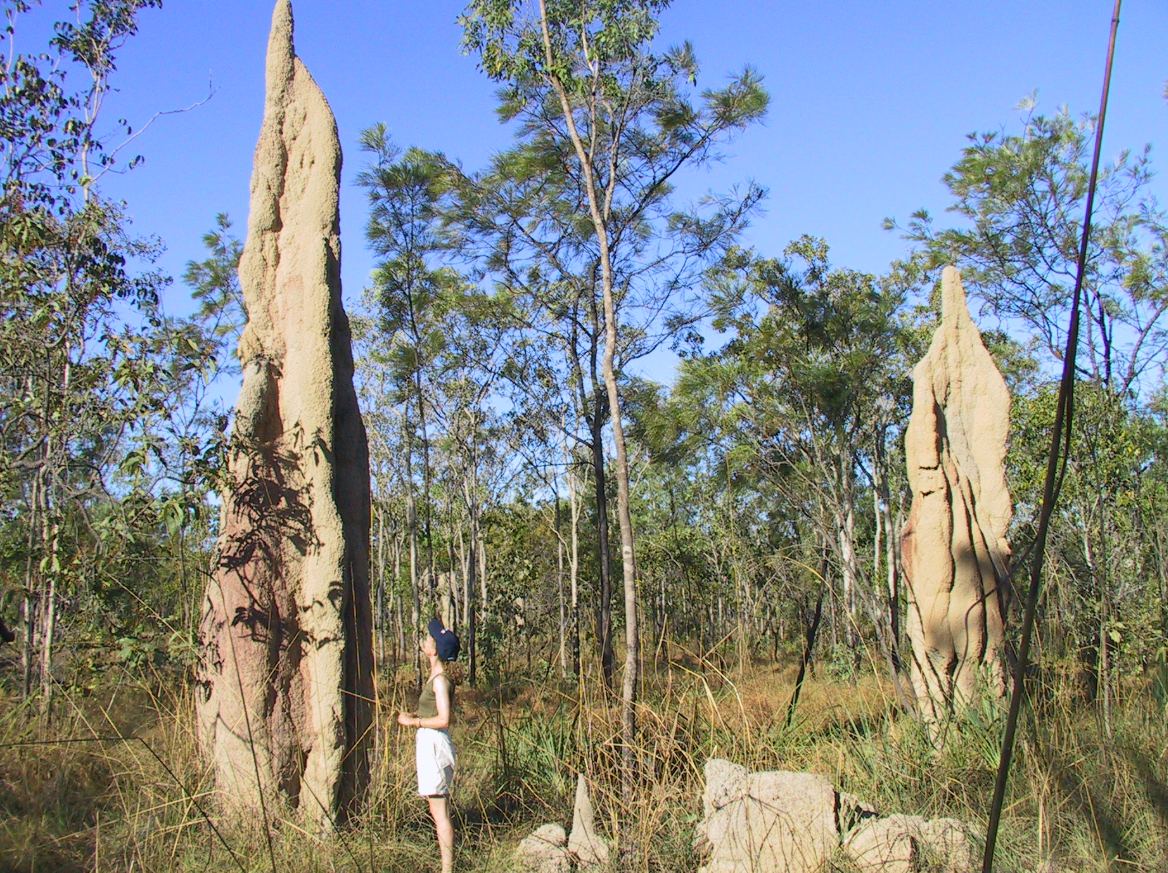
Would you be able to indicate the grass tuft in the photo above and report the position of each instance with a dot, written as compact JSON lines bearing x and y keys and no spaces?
{"x":73,"y":797}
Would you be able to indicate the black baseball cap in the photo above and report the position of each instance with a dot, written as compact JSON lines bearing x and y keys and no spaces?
{"x":446,"y":640}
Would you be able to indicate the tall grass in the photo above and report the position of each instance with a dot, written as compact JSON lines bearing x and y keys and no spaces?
{"x":115,"y":782}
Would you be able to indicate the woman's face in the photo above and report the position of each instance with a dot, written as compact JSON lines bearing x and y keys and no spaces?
{"x":428,"y":646}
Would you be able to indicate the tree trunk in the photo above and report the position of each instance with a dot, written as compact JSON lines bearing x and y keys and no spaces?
{"x":449,"y":592}
{"x":603,"y":550}
{"x":574,"y":564}
{"x":563,"y":622}
{"x":469,"y":494}
{"x":877,"y":543}
{"x":30,"y":600}
{"x":846,"y":532}
{"x":809,"y":636}
{"x":432,"y":577}
{"x":892,"y":560}
{"x":415,"y":588}
{"x":399,"y":642}
{"x":379,"y":624}
{"x":624,"y":515}
{"x":52,"y":540}
{"x":463,"y":572}
{"x":1091,"y":654}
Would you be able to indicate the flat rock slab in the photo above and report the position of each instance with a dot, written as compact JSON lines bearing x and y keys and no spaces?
{"x":776,"y":821}
{"x":912,"y":844}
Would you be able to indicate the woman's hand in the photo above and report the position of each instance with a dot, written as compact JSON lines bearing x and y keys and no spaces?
{"x":406,"y":720}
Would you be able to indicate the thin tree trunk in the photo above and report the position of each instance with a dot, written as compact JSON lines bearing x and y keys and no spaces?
{"x":52,"y":536}
{"x":379,"y":626}
{"x":432,"y":577}
{"x":399,"y":641}
{"x":628,"y":555}
{"x":624,"y":515}
{"x":449,"y":592}
{"x":563,"y":623}
{"x":1093,"y":656}
{"x":603,"y":549}
{"x":574,"y":563}
{"x":846,"y":530}
{"x":463,"y":572}
{"x":809,"y":642}
{"x":482,"y":550}
{"x":415,"y":588}
{"x":1105,"y":658}
{"x":892,"y":559}
{"x":30,"y":599}
{"x":470,"y":488}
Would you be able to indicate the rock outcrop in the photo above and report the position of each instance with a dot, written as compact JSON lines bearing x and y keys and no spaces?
{"x":784,"y":822}
{"x":285,"y":671}
{"x":588,"y":848}
{"x":911,"y":844}
{"x":955,"y":552}
{"x":775,"y":821}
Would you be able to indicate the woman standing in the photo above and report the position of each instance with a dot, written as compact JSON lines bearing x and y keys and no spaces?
{"x":435,"y":752}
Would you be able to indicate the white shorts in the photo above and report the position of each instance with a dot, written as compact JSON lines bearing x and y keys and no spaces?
{"x":435,"y":755}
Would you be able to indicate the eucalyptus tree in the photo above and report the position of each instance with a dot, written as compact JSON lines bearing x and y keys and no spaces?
{"x":394,"y":530}
{"x":1022,"y":198}
{"x":604,"y":124}
{"x":808,"y":389}
{"x":436,"y":344}
{"x":77,"y":372}
{"x":465,"y":383}
{"x":408,"y":193}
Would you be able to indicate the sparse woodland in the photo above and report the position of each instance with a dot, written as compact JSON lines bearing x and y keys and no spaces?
{"x":643,"y":575}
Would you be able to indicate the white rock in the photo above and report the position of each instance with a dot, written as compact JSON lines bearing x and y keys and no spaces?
{"x":912,"y":844}
{"x":775,"y":821}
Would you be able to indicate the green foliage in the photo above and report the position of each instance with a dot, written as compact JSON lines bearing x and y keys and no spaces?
{"x":214,"y":283}
{"x":105,"y":417}
{"x":412,"y":287}
{"x":1023,"y":197}
{"x":769,"y":472}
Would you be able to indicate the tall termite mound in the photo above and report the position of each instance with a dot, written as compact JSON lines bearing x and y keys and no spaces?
{"x":286,"y":657}
{"x":956,"y":556}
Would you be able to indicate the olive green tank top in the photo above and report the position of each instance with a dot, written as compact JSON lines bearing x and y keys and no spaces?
{"x":428,"y":700}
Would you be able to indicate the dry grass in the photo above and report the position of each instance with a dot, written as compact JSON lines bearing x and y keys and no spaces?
{"x":73,"y":797}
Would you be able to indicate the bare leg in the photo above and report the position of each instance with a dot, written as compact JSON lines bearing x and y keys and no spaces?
{"x":440,"y":812}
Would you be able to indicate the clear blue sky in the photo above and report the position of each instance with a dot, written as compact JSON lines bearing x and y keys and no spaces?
{"x":871,"y":102}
